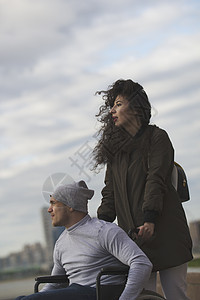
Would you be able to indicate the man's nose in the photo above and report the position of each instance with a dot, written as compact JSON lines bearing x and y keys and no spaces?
{"x":49,"y":209}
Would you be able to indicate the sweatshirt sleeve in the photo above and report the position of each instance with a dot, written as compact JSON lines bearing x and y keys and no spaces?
{"x":117,"y":242}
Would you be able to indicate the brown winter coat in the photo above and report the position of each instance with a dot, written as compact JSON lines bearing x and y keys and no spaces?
{"x":136,"y":182}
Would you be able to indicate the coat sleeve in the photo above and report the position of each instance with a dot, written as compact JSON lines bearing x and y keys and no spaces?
{"x":106,"y":210}
{"x":160,"y":164}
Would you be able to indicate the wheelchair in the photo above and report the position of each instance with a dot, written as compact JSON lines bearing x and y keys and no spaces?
{"x":103,"y":292}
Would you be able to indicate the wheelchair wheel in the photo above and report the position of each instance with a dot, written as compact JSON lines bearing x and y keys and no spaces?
{"x":150,"y":295}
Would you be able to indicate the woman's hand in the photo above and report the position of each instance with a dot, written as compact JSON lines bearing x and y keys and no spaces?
{"x":146,"y":231}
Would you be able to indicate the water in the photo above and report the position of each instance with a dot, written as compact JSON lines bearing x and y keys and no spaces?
{"x":12,"y":289}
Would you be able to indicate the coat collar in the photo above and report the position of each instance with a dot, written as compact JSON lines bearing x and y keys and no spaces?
{"x":132,"y":141}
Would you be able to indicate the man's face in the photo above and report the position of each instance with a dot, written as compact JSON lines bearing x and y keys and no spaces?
{"x":60,"y":213}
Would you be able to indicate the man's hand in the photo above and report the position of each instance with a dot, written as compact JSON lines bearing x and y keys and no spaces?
{"x":146,"y":231}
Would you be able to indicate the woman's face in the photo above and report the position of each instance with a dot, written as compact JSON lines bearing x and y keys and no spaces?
{"x":124,"y":116}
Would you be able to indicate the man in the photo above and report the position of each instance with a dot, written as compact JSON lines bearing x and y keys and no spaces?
{"x":85,"y":246}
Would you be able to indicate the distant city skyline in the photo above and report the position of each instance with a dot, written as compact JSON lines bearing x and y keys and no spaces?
{"x":52,"y":234}
{"x":37,"y":253}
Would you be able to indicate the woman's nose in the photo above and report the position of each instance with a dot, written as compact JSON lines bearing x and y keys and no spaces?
{"x":112,"y":110}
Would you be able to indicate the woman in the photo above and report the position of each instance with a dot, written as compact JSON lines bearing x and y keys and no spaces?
{"x":138,"y":189}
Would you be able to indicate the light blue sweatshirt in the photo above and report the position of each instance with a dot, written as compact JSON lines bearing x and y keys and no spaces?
{"x":91,"y":244}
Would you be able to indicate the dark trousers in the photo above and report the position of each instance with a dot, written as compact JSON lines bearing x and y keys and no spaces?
{"x":72,"y":292}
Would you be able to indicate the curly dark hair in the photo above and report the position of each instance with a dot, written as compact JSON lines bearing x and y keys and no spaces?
{"x":111,"y":137}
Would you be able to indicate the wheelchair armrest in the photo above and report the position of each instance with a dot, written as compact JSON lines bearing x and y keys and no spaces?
{"x":113,"y":271}
{"x":50,"y":279}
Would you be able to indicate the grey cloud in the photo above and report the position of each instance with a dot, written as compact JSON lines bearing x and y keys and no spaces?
{"x":54,"y":56}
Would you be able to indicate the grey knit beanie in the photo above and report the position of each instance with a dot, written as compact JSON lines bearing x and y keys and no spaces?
{"x":74,"y":195}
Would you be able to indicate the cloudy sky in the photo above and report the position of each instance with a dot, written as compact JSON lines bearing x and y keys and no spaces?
{"x":54,"y":56}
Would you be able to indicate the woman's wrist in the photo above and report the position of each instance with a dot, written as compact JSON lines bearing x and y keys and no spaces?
{"x":150,"y":216}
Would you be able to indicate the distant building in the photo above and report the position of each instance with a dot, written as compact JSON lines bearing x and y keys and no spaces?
{"x":51,"y":234}
{"x":35,"y":254}
{"x":30,"y":256}
{"x":195,"y":234}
